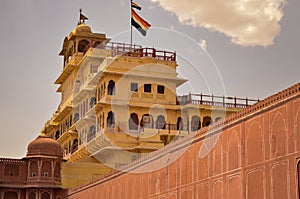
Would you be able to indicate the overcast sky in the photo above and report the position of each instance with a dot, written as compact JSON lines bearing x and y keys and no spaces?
{"x":251,"y":48}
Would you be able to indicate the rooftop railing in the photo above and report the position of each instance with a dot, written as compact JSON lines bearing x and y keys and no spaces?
{"x":12,"y":160}
{"x":211,"y":100}
{"x":138,"y":51}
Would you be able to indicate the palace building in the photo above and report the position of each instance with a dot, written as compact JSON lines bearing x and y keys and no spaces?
{"x":122,"y":131}
{"x":119,"y":102}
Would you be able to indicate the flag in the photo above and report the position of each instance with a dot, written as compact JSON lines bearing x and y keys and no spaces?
{"x":134,"y":5}
{"x":140,"y":24}
{"x":82,"y":17}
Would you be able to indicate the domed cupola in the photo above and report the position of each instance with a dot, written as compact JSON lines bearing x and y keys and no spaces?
{"x":82,"y":29}
{"x":44,"y":146}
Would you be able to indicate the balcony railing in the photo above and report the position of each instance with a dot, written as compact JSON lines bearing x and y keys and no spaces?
{"x":211,"y":100}
{"x":137,"y":51}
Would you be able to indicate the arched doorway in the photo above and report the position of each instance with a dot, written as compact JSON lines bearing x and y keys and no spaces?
{"x":160,"y":122}
{"x":92,"y":102}
{"x":83,"y":45}
{"x":45,"y":195}
{"x":179,"y":124}
{"x":195,"y":124}
{"x":147,"y":121}
{"x":74,"y":145}
{"x":92,"y":133}
{"x":110,"y":121}
{"x":206,"y":121}
{"x":133,"y":121}
{"x":111,"y":88}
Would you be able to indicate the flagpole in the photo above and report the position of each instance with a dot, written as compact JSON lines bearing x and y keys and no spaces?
{"x":130,"y":24}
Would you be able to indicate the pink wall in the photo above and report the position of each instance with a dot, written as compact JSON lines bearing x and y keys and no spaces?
{"x":255,"y":156}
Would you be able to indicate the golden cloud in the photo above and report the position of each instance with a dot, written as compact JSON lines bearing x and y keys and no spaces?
{"x":245,"y":22}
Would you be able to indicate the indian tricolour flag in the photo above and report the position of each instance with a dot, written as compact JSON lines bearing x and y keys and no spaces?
{"x":139,"y":23}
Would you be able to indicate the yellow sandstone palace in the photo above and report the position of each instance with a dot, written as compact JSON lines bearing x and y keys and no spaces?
{"x":119,"y":102}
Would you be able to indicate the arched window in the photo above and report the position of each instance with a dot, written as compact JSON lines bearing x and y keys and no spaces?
{"x":83,"y":46}
{"x":179,"y":124}
{"x":195,"y":124}
{"x":92,"y":102}
{"x":92,"y":133}
{"x":160,"y":122}
{"x":33,"y":169}
{"x":71,"y":120}
{"x":45,"y":195}
{"x":10,"y":195}
{"x":133,"y":121}
{"x":46,"y":169}
{"x":75,"y":145}
{"x":57,"y":170}
{"x":147,"y":121}
{"x":32,"y":195}
{"x":57,"y":134}
{"x":76,"y":117}
{"x":111,"y":88}
{"x":206,"y":121}
{"x":110,"y":121}
{"x":77,"y":85}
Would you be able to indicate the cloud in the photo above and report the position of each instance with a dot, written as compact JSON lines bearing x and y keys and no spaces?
{"x":245,"y":22}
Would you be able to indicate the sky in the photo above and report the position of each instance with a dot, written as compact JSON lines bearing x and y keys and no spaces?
{"x":245,"y":48}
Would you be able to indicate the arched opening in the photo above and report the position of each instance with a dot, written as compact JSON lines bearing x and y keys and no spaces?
{"x":46,"y":169}
{"x":57,"y":134}
{"x":206,"y":121}
{"x":179,"y":124}
{"x":92,"y":102}
{"x":32,"y":195}
{"x":147,"y":121}
{"x":70,"y":120}
{"x":33,"y":169}
{"x":77,"y":85}
{"x":133,"y":121}
{"x":195,"y":124}
{"x":75,"y":145}
{"x":45,"y":195}
{"x":92,"y":133}
{"x":57,"y":170}
{"x":83,"y":46}
{"x":76,"y":117}
{"x":110,"y":121}
{"x":111,"y":88}
{"x":160,"y":122}
{"x":10,"y":195}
